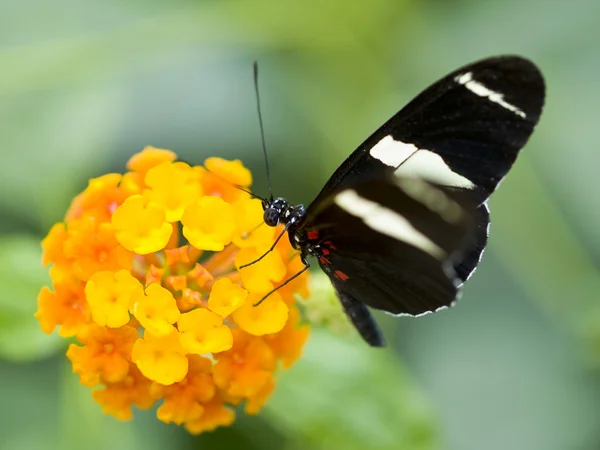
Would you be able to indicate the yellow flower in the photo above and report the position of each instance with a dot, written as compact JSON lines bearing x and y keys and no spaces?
{"x":261,"y":276}
{"x":156,"y":252}
{"x":226,"y":297}
{"x":156,"y":311}
{"x":160,"y":359}
{"x":268,"y":317}
{"x":232,"y":171}
{"x":202,"y":331}
{"x":208,"y":224}
{"x":109,"y":295}
{"x":149,"y":158}
{"x":174,"y":186}
{"x":251,"y":230}
{"x":141,"y":227}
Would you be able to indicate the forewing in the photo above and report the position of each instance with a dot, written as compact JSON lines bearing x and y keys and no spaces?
{"x":464,"y":131}
{"x":390,"y":243}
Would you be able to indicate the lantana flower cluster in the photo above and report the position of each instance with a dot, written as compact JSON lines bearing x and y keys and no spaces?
{"x":146,"y":277}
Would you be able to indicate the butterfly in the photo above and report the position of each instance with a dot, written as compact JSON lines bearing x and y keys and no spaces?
{"x":403,"y":222}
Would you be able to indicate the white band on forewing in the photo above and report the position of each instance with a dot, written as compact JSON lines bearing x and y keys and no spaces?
{"x":386,"y":221}
{"x":412,"y":161}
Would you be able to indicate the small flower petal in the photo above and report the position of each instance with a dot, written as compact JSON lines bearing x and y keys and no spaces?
{"x":244,"y":370}
{"x":99,"y":200}
{"x":174,"y":186}
{"x":156,"y":310}
{"x":149,"y":158}
{"x":208,"y":224}
{"x":202,"y":331}
{"x":214,"y":415}
{"x":110,"y":295}
{"x":217,"y":186}
{"x":185,"y":400}
{"x":53,"y":245}
{"x":92,"y":247}
{"x":66,"y":308}
{"x":104,"y":356}
{"x":117,"y":399}
{"x":259,"y":277}
{"x":226,"y":296}
{"x":268,"y":317}
{"x":232,"y":171}
{"x":251,"y":230}
{"x":141,"y":227}
{"x":160,"y":359}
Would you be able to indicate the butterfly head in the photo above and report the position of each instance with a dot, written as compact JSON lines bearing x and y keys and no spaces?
{"x":274,"y":211}
{"x":280,"y":211}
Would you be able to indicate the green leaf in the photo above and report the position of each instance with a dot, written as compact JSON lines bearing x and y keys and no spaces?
{"x":21,"y":277}
{"x":344,"y":394}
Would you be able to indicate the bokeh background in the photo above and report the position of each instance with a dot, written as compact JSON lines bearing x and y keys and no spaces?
{"x":84,"y":84}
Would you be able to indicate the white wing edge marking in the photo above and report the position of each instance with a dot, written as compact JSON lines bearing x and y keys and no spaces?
{"x":466,"y":79}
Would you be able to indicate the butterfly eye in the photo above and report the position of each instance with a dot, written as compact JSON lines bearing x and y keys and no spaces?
{"x":272,"y":216}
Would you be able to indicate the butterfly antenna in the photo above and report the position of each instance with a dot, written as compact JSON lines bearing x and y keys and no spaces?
{"x":262,"y":131}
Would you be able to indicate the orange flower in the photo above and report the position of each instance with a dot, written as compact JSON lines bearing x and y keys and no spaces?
{"x":91,"y":247}
{"x":105,"y":354}
{"x":245,"y":370}
{"x":231,"y":171}
{"x":215,"y":414}
{"x":99,"y":200}
{"x":65,"y":308}
{"x":184,"y":401}
{"x":120,"y":271}
{"x":148,"y":158}
{"x":53,"y":245}
{"x":116,"y":399}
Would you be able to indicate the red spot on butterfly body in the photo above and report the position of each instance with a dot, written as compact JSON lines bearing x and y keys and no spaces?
{"x":312,"y":235}
{"x":325,"y":251}
{"x":324,"y":260}
{"x":329,"y":244}
{"x":341,"y":275}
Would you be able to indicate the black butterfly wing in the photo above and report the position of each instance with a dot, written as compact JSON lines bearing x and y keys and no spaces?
{"x":465,"y":264}
{"x":464,"y":131}
{"x":390,"y":244}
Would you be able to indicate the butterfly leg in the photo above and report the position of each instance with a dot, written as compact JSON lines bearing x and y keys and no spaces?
{"x":293,"y":277}
{"x":287,"y":225}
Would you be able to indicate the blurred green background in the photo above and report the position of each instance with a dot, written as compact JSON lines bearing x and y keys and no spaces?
{"x":84,"y":84}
